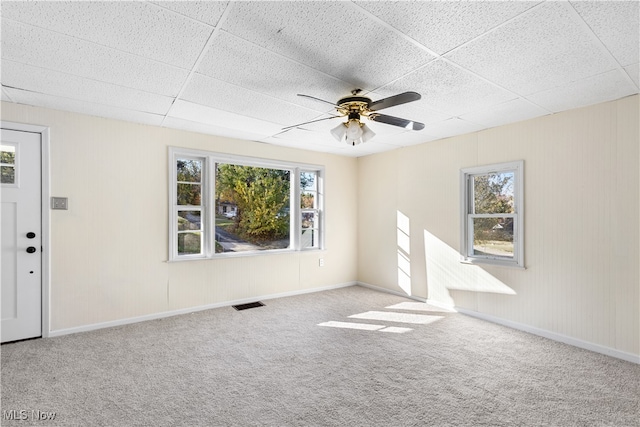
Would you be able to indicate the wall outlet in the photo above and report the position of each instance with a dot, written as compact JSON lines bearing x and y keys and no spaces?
{"x":321,"y":262}
{"x":59,"y":203}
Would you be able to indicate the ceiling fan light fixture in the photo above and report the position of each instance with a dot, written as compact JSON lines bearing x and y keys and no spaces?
{"x":339,"y":132}
{"x":367,"y":133}
{"x":354,"y":129}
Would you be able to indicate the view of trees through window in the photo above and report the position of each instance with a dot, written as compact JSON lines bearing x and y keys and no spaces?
{"x":493,"y":214}
{"x":252,"y":208}
{"x":189,"y":198}
{"x":8,"y":164}
{"x":223,"y":204}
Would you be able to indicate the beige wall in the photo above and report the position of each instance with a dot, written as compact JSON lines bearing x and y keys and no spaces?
{"x":581,"y":224}
{"x":109,"y":250}
{"x":582,"y":280}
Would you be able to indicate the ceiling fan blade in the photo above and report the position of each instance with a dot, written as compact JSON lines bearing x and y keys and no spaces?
{"x":318,"y":99}
{"x":397,"y":121}
{"x":391,"y":101}
{"x":312,"y":121}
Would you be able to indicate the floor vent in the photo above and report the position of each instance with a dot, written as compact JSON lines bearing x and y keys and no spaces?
{"x":248,"y":305}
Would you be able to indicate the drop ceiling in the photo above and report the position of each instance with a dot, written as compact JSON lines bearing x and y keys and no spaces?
{"x":235,"y":68}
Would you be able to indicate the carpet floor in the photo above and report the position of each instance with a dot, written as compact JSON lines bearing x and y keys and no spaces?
{"x":345,"y":357}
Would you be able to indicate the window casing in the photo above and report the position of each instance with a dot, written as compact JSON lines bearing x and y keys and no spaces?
{"x":272,"y":206}
{"x":492,"y":214}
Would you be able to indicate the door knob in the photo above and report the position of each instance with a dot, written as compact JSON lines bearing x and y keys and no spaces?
{"x":31,"y":249}
{"x":31,"y":235}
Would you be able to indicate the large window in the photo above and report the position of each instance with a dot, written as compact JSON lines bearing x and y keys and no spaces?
{"x":223,"y":205}
{"x":492,"y":214}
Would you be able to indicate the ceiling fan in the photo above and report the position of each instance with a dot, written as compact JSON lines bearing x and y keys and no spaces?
{"x":354,"y":107}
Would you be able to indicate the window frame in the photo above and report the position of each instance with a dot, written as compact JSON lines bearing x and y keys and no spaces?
{"x":467,"y":216}
{"x":209,"y":160}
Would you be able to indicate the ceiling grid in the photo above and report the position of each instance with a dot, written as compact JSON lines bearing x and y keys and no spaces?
{"x":234,"y":68}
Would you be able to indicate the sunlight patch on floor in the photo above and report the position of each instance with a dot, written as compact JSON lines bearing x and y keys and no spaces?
{"x":396,"y":329}
{"x":419,"y":306}
{"x":421,"y":319}
{"x":350,"y":325}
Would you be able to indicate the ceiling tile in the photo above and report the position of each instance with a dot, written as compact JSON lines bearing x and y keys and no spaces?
{"x":239,"y":62}
{"x":306,"y":139}
{"x":409,"y":138}
{"x":82,"y":107}
{"x":34,"y":46}
{"x":304,"y":143}
{"x":35,"y":79}
{"x":329,"y":36}
{"x":452,"y":127}
{"x":221,"y":119}
{"x":5,"y":97}
{"x":616,"y":24}
{"x":236,"y":99}
{"x":199,"y":127}
{"x":539,"y":50}
{"x":592,"y":90}
{"x":208,"y":12}
{"x":442,"y":25}
{"x":511,"y":111}
{"x":371,"y":147}
{"x":139,"y":28}
{"x":447,"y":89}
{"x":634,"y":71}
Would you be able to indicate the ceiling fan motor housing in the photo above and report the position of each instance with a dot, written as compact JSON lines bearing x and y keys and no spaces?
{"x":354,"y":100}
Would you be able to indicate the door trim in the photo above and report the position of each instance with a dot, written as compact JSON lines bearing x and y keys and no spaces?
{"x":46,"y":214}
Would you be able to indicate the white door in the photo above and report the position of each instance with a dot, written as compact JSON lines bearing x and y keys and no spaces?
{"x":21,"y":235}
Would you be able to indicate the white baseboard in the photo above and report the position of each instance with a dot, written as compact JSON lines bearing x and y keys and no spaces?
{"x":130,"y":320}
{"x":629,"y":357}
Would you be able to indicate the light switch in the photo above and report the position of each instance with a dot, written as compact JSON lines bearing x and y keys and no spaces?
{"x":59,"y":203}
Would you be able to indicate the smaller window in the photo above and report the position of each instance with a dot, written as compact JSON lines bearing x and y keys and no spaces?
{"x":492,"y":214}
{"x":310,"y":210}
{"x":8,"y":164}
{"x":190,"y":232}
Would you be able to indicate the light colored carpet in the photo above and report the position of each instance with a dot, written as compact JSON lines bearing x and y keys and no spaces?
{"x":276,"y":366}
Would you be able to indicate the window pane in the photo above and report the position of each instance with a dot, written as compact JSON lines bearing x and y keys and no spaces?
{"x":189,"y":243}
{"x":8,"y":161}
{"x":308,"y":200}
{"x":493,"y":193}
{"x":308,"y":219}
{"x":309,"y":238}
{"x":308,"y":187}
{"x":189,"y":170}
{"x":189,"y":194}
{"x":493,"y":237}
{"x":8,"y":174}
{"x":252,"y":208}
{"x":188,"y":220}
{"x":7,"y":154}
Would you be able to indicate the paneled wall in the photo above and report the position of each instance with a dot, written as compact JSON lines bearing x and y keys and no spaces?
{"x":581,"y":224}
{"x":109,"y":250}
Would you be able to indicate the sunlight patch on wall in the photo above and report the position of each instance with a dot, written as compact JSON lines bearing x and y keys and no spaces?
{"x":445,"y":271}
{"x":404,"y":251}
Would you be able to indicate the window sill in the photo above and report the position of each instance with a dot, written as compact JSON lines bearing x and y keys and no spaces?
{"x":494,"y":263}
{"x":228,"y":255}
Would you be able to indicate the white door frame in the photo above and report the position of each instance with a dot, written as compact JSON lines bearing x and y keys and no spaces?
{"x":46,"y":217}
